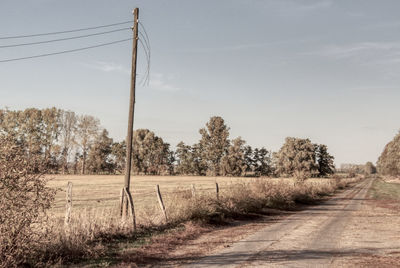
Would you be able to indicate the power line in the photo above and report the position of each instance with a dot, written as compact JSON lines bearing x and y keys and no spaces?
{"x":145,"y":32}
{"x":146,"y":76}
{"x":64,"y":39}
{"x":65,"y":51}
{"x":146,"y":39}
{"x":67,"y":31}
{"x":147,"y":50}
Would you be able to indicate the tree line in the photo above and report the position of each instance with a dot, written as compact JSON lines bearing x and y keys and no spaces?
{"x":389,"y":161}
{"x":76,"y":144}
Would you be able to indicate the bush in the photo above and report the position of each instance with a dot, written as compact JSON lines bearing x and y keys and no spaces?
{"x":23,"y":200}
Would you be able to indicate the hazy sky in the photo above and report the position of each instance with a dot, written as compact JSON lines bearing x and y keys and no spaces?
{"x":326,"y":70}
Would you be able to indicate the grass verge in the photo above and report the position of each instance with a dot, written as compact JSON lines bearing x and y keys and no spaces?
{"x":381,"y":190}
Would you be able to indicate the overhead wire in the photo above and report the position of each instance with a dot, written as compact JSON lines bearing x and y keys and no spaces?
{"x":147,"y":41}
{"x":145,"y":32}
{"x":64,"y":39}
{"x":63,"y":32}
{"x":144,"y":41}
{"x":147,"y":52}
{"x":66,"y":51}
{"x":145,"y":75}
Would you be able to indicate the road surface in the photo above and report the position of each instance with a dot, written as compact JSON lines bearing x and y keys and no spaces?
{"x":310,"y":238}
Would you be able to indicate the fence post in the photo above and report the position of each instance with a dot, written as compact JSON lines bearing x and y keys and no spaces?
{"x":217,"y":190}
{"x":193,"y":191}
{"x":160,"y":200}
{"x":68,"y":204}
{"x":121,"y":201}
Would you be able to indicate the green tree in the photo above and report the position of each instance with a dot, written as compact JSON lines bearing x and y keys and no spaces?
{"x":214,"y":144}
{"x":171,"y":160}
{"x":262,"y":162}
{"x":51,"y":129}
{"x":249,"y":158}
{"x":50,"y":133}
{"x":30,"y":130}
{"x":37,"y":129}
{"x":189,"y":161}
{"x":369,"y":168}
{"x":296,"y":157}
{"x":99,"y":157}
{"x":233,"y":162}
{"x":150,"y":154}
{"x":199,"y":164}
{"x":185,"y":159}
{"x":389,"y":161}
{"x":118,"y":156}
{"x":324,"y":160}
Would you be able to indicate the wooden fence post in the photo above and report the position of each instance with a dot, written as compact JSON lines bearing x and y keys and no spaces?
{"x":217,"y":190}
{"x":68,"y":205}
{"x":121,"y":201}
{"x":160,"y":200}
{"x":193,"y":191}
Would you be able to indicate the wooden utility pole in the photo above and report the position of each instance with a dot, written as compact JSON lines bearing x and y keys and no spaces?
{"x":131,"y":112}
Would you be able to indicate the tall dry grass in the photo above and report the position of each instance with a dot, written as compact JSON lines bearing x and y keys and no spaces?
{"x":244,"y":198}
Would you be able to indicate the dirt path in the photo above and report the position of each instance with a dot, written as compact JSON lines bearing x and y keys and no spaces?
{"x":332,"y":234}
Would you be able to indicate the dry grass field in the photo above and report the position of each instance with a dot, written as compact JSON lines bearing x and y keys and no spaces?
{"x":103,"y":191}
{"x":100,"y":193}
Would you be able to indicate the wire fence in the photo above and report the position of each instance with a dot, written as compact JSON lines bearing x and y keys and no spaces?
{"x":145,"y":198}
{"x":164,"y":198}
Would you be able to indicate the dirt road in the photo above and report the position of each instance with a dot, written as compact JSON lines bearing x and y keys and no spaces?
{"x":322,"y":236}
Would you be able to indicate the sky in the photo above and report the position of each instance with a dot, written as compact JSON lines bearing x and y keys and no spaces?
{"x":320,"y":69}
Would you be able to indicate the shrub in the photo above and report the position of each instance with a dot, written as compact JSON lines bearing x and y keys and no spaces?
{"x":23,"y":200}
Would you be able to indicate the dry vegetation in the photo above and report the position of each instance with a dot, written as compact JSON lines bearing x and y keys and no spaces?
{"x":97,"y":232}
{"x":24,"y":198}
